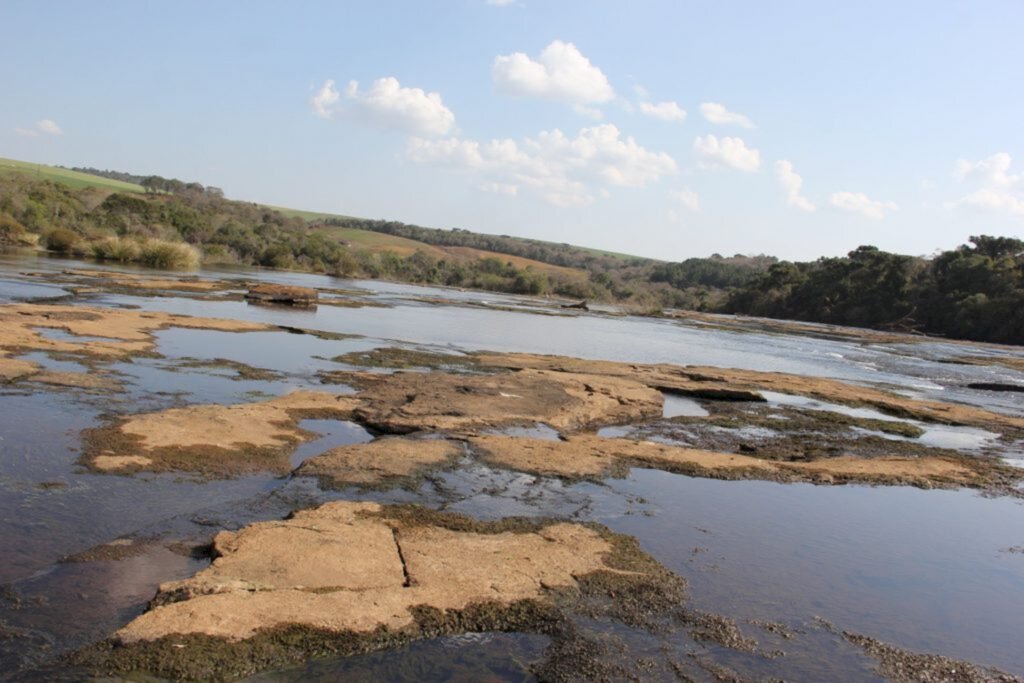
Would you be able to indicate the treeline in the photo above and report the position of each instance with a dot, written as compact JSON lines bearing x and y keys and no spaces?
{"x":113,"y":175}
{"x":645,"y":284}
{"x":155,"y":183}
{"x":975,"y":291}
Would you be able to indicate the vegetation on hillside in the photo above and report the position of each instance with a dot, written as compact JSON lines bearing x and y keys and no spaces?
{"x":974,"y":292}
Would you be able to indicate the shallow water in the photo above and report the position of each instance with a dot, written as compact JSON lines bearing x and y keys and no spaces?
{"x":926,"y":570}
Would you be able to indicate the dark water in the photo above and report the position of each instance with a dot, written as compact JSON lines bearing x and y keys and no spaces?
{"x":930,"y":571}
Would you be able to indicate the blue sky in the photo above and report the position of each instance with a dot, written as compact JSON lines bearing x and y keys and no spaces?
{"x":665,"y":129}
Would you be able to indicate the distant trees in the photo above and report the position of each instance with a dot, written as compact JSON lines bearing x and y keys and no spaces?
{"x":975,"y":291}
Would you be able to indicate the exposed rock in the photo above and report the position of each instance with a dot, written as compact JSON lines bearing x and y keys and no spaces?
{"x":384,"y":461}
{"x":902,"y":666}
{"x":110,"y":463}
{"x":407,"y":402}
{"x":587,"y":456}
{"x":697,"y":380}
{"x":398,"y":358}
{"x":347,"y":577}
{"x":212,"y":439}
{"x":135,"y":281}
{"x":282,"y":294}
{"x":113,"y":332}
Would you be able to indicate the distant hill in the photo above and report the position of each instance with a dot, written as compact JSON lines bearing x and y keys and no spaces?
{"x":279,"y":237}
{"x":71,"y":178}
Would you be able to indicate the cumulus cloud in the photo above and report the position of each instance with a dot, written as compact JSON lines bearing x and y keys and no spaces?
{"x":858,"y":202}
{"x":558,"y":168}
{"x":40,"y":127}
{"x":791,"y":182}
{"x":325,"y":99}
{"x":386,"y":103}
{"x":999,"y":190}
{"x":561,"y":73}
{"x":666,"y":111}
{"x":688,"y":198}
{"x":730,"y":152}
{"x":994,"y":170}
{"x":717,"y":113}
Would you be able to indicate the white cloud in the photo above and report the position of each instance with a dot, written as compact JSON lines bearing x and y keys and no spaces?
{"x":386,"y":103}
{"x":992,"y":200}
{"x":718,"y":114}
{"x":324,"y":100}
{"x":666,"y":111}
{"x":791,"y":182}
{"x":49,"y":127}
{"x":554,"y":166}
{"x":688,"y":198}
{"x":994,"y":170}
{"x":999,"y":190}
{"x":731,"y":152}
{"x":501,"y":3}
{"x":858,"y":202}
{"x":560,"y":73}
{"x":41,"y":127}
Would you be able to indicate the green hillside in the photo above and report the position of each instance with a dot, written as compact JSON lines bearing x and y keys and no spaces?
{"x":67,"y":177}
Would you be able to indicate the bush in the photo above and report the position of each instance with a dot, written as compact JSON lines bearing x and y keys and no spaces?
{"x":62,"y":240}
{"x":11,"y":231}
{"x":168,"y":255}
{"x":116,"y":249}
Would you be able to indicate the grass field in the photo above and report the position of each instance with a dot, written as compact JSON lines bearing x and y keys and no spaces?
{"x":63,"y":175}
{"x":380,"y":242}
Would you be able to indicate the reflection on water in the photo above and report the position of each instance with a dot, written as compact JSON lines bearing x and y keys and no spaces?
{"x":922,"y":569}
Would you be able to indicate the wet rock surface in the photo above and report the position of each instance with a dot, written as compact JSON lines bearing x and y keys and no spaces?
{"x":704,"y":382}
{"x":407,"y":402}
{"x":385,"y":461}
{"x":416,"y":573}
{"x":212,"y":439}
{"x":536,"y":455}
{"x":595,"y":457}
{"x":109,"y":333}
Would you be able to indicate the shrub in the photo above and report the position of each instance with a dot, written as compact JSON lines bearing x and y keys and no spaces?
{"x":62,"y":240}
{"x":115,"y":249}
{"x":169,"y":255}
{"x":11,"y":231}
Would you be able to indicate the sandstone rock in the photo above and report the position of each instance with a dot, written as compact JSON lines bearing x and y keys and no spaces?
{"x":387,"y":460}
{"x":282,"y":294}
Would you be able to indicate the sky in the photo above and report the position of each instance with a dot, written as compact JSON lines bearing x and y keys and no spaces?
{"x":662,"y":129}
